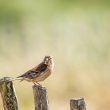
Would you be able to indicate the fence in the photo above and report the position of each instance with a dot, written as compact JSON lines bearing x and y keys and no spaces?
{"x":10,"y":101}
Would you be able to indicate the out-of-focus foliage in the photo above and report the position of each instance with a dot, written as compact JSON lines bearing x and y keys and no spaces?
{"x":75,"y":33}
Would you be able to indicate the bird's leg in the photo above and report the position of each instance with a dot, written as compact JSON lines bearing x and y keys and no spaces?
{"x":36,"y":83}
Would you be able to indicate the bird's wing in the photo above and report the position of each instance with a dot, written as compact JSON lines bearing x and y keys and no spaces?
{"x":30,"y":74}
{"x":40,"y":68}
{"x":35,"y":72}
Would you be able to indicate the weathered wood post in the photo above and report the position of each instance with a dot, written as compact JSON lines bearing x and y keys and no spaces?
{"x":40,"y":97}
{"x":8,"y":94}
{"x":77,"y":104}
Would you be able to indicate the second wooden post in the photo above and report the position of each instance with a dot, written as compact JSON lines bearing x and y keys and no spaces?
{"x":40,"y":97}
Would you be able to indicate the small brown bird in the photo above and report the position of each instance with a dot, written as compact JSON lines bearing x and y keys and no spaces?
{"x":40,"y":72}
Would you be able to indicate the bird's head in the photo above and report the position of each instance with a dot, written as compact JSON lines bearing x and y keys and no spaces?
{"x":48,"y":60}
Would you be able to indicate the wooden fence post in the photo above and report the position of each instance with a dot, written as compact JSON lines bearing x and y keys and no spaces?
{"x":8,"y":94}
{"x":77,"y":104}
{"x":40,"y":97}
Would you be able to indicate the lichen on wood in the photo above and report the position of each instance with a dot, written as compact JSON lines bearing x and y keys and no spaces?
{"x":8,"y":94}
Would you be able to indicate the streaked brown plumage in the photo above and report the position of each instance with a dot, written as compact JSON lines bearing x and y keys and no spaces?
{"x":40,"y":72}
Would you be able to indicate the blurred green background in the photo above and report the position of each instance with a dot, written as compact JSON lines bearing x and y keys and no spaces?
{"x":74,"y":32}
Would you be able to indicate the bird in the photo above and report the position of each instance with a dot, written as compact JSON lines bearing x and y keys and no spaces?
{"x":40,"y":72}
